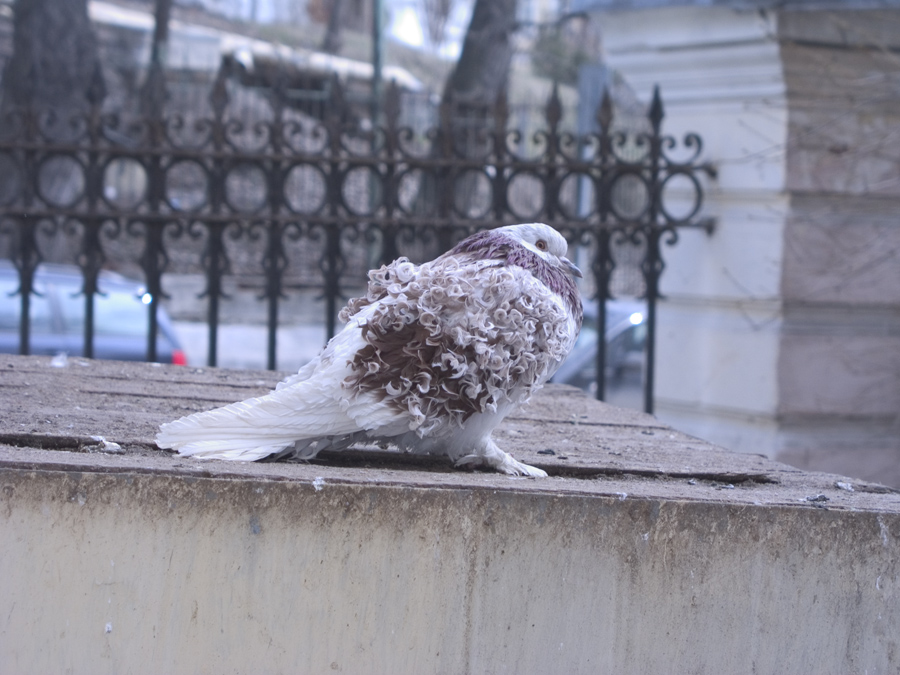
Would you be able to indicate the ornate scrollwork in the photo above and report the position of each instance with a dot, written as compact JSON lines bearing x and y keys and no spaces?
{"x":329,"y":179}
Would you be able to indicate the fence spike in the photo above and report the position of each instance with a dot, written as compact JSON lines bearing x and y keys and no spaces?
{"x":97,"y":89}
{"x":656,"y":113}
{"x":392,"y":104}
{"x":445,"y":119}
{"x":154,"y":94}
{"x":553,"y":111}
{"x":336,"y":98}
{"x":501,"y":111}
{"x":605,"y":111}
{"x":445,"y":112}
{"x":218,"y":95}
{"x":280,"y":88}
{"x":337,"y":91}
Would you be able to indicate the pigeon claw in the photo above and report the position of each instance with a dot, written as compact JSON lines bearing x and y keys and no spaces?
{"x":502,"y":462}
{"x":516,"y":468}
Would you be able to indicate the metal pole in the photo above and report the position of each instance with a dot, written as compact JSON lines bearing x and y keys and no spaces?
{"x":653,"y":260}
{"x":377,"y":59}
{"x":375,"y":111}
{"x":161,"y":32}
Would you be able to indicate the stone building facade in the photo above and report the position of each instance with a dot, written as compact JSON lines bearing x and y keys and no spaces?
{"x":780,"y":333}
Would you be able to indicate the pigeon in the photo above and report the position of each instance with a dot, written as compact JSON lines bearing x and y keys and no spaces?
{"x":431,"y":360}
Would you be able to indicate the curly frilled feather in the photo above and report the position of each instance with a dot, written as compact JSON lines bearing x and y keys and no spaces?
{"x":432,"y":358}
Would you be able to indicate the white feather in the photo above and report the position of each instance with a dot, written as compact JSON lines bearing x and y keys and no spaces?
{"x":305,"y":406}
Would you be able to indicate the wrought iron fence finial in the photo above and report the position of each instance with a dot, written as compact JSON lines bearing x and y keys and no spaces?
{"x":554,"y":111}
{"x":501,"y":111}
{"x":218,"y":95}
{"x":605,"y":111}
{"x":392,"y":106}
{"x":96,"y":91}
{"x":656,"y":113}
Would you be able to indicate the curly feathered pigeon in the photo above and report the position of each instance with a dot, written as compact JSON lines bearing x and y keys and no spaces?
{"x":431,"y":360}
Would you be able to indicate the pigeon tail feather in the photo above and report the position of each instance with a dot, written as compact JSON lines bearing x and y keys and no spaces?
{"x":256,"y":428}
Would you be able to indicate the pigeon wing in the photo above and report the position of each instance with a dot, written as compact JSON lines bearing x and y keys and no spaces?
{"x":307,"y":407}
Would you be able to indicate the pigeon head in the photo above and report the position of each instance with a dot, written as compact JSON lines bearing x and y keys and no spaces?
{"x":535,"y":247}
{"x":543,"y":241}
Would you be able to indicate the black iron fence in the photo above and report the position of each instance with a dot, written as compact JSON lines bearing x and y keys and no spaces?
{"x":319,"y":197}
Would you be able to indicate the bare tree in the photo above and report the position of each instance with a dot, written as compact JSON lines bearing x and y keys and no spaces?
{"x":153,"y":92}
{"x":483,"y":67}
{"x":332,"y":42}
{"x":55,"y":62}
{"x":54,"y":71}
{"x":479,"y":77}
{"x":436,"y":14}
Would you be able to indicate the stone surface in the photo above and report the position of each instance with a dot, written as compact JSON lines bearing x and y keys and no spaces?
{"x":54,"y":416}
{"x":786,"y":320}
{"x":839,"y":371}
{"x":840,"y":375}
{"x":843,"y":251}
{"x":646,"y":550}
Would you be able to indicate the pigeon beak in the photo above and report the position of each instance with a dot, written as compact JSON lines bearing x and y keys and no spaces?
{"x":571,"y":268}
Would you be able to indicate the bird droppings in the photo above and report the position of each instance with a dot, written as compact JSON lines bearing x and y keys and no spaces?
{"x":884,"y":532}
{"x":318,"y":483}
{"x":817,"y":498}
{"x":108,"y":628}
{"x":841,"y":485}
{"x":106,"y":446}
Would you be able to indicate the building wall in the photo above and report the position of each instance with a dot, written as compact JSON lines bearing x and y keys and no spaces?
{"x":839,"y":371}
{"x":150,"y":571}
{"x":720,"y":76}
{"x":780,"y":333}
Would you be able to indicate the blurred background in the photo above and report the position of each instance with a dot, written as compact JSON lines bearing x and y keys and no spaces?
{"x":224,"y":172}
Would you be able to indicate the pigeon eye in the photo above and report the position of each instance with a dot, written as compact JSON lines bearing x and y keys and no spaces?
{"x":541,"y":245}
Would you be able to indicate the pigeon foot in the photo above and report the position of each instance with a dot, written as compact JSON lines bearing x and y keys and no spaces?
{"x":501,"y":461}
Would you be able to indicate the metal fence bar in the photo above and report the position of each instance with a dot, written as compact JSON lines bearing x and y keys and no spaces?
{"x":335,"y":182}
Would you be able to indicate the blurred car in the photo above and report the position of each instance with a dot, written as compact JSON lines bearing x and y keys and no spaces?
{"x":121,"y":321}
{"x":626,"y":333}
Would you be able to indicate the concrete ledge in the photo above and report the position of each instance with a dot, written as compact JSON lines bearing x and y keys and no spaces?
{"x":646,"y":552}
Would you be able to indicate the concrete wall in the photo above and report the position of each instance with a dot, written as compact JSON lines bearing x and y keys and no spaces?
{"x":781,"y":332}
{"x":720,"y":75}
{"x":129,"y":572}
{"x":839,"y":366}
